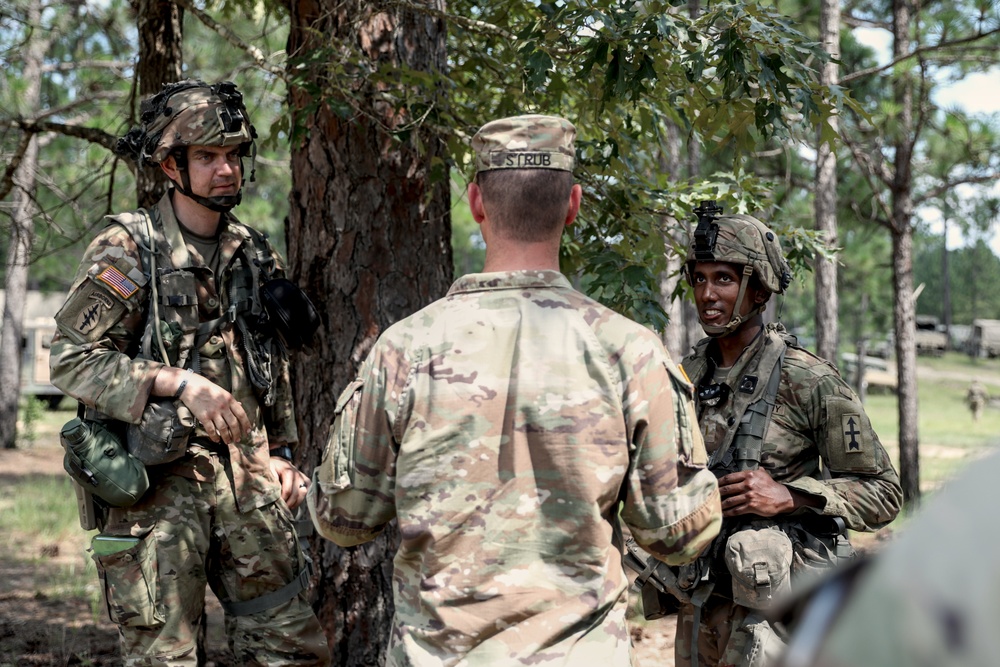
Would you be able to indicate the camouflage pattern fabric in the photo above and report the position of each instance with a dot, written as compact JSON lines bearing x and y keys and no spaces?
{"x":504,"y":426}
{"x":100,"y":322}
{"x":525,"y":142}
{"x":976,"y":399}
{"x":817,"y":418}
{"x":156,"y":591}
{"x":98,"y":328}
{"x":196,"y":121}
{"x":928,"y":599}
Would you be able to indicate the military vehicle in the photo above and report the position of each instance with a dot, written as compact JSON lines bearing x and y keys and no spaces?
{"x":39,"y":326}
{"x":930,"y":338}
{"x":985,"y":339}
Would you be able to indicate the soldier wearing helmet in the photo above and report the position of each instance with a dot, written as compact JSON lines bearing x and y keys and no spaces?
{"x":167,"y":342}
{"x":794,"y":451}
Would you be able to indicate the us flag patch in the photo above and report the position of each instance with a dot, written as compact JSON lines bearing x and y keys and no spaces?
{"x":117,"y":281}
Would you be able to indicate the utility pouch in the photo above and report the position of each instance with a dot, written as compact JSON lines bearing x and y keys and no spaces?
{"x":96,"y":459}
{"x":127,"y":567}
{"x":760,"y":563}
{"x":162,"y":433}
{"x":177,"y":294}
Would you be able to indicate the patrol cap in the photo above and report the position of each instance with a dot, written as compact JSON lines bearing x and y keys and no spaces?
{"x":531,"y":141}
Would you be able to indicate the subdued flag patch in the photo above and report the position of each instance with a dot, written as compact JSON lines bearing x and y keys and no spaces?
{"x":117,"y":281}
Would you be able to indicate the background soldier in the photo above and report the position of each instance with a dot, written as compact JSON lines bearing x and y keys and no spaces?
{"x":976,"y":399}
{"x":507,"y":427}
{"x":795,"y":454}
{"x":165,"y":316}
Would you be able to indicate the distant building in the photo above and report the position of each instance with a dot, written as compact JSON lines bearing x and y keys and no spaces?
{"x":40,"y":309}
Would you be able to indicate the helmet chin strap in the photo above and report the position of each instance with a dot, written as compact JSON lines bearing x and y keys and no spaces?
{"x":220,"y":204}
{"x":735,"y":320}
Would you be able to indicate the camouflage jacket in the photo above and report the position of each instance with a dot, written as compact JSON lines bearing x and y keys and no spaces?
{"x":504,"y":426}
{"x":817,"y":417}
{"x":93,"y":356}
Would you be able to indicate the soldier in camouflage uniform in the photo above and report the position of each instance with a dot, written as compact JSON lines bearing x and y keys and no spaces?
{"x":509,"y":427}
{"x":794,"y":451}
{"x":976,"y":398}
{"x":220,"y":513}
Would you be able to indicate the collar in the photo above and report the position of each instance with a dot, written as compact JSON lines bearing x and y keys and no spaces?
{"x":501,"y":280}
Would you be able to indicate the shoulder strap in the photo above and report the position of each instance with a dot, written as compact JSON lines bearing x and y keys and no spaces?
{"x":743,"y":452}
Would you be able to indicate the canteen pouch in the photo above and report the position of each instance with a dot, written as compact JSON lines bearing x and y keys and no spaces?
{"x":161,"y":436}
{"x":760,"y":563}
{"x":96,"y":459}
{"x":127,"y":568}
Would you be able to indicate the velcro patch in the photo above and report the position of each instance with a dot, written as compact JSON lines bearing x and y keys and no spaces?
{"x":117,"y":281}
{"x":850,"y":443}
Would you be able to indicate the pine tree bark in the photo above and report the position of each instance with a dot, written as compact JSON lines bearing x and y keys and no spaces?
{"x":827,"y":303}
{"x":902,"y":265}
{"x":161,"y":57}
{"x":369,"y":238}
{"x":22,"y":237}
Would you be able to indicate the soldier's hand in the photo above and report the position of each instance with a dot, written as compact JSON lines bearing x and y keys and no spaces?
{"x":294,"y":484}
{"x":754,"y":492}
{"x":219,"y":412}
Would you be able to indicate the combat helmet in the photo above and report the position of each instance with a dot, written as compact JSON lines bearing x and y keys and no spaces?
{"x":192,"y":113}
{"x":742,"y":240}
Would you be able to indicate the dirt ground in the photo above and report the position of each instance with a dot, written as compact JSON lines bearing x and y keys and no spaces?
{"x":41,"y":631}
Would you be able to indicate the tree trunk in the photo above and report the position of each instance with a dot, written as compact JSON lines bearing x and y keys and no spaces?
{"x":827,"y":322}
{"x":674,"y":337}
{"x":945,"y":276}
{"x":902,"y":265}
{"x":369,"y":238}
{"x":161,"y":56}
{"x":22,"y":237}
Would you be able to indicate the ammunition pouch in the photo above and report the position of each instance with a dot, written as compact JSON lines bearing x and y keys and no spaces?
{"x":96,"y":459}
{"x":161,"y":436}
{"x":760,"y":565}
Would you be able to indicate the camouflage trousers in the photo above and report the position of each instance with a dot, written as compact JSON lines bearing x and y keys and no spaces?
{"x":191,"y":533}
{"x":729,"y":635}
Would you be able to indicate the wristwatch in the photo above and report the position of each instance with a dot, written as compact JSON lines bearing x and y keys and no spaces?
{"x":284,"y":452}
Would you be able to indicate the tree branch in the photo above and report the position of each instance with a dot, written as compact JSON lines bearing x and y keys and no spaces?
{"x":871,"y":171}
{"x":255,"y":54}
{"x":78,"y":64}
{"x":917,"y":52}
{"x":7,"y":182}
{"x":950,"y":184}
{"x":91,"y":134}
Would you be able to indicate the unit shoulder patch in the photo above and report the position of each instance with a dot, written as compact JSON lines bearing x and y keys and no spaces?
{"x":849,"y":440}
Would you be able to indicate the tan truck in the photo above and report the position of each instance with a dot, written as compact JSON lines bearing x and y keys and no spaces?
{"x":930,"y":338}
{"x":984,"y":341}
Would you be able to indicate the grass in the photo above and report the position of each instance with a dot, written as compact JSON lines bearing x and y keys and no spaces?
{"x":949,"y":438}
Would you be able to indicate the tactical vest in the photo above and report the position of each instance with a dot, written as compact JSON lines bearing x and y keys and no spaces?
{"x":753,"y":400}
{"x":173,"y":301}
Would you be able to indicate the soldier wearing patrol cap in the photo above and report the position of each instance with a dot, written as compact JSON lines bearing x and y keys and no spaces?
{"x":794,"y":451}
{"x":509,"y":428}
{"x":169,"y":340}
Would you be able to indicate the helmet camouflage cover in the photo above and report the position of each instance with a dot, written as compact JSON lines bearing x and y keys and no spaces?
{"x":743,"y":240}
{"x":188,"y":113}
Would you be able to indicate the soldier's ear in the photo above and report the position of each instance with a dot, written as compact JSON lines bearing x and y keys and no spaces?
{"x":169,"y":167}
